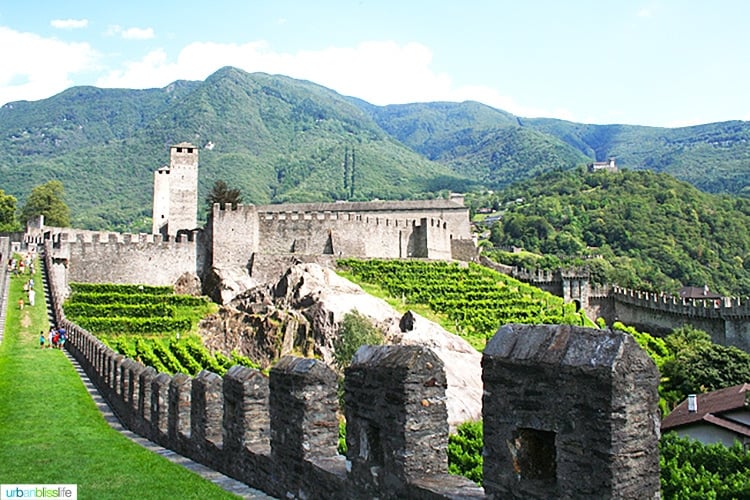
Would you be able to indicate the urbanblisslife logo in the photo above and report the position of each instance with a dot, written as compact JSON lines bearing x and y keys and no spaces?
{"x":64,"y":491}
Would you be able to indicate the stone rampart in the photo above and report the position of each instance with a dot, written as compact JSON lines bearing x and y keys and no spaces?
{"x":352,"y":235}
{"x":5,"y":256}
{"x":374,"y":230}
{"x":706,"y":308}
{"x":726,"y":319}
{"x":95,"y":257}
{"x":594,"y":435}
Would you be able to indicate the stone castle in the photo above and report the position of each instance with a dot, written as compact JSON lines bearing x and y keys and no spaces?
{"x":245,"y":244}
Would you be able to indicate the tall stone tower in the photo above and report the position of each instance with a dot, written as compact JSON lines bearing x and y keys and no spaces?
{"x":176,"y":191}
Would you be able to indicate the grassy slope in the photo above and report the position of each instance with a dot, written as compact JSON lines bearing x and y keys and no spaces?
{"x":51,"y":431}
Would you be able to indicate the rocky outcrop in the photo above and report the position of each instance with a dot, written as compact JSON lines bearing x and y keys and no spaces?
{"x":301,"y":313}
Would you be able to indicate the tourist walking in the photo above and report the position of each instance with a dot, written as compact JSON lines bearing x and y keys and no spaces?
{"x":32,"y":297}
{"x":41,"y":339}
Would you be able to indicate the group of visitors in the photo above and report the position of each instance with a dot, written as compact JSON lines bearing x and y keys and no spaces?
{"x":55,"y":338}
{"x":22,"y":267}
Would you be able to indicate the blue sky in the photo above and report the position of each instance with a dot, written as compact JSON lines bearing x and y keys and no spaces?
{"x":645,"y":62}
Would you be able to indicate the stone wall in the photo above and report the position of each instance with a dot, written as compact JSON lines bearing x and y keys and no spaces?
{"x":727,"y":319}
{"x":578,"y":406}
{"x":326,"y":233}
{"x":5,"y":256}
{"x":124,"y":258}
{"x":375,"y":230}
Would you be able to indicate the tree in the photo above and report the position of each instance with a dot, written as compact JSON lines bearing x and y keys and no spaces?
{"x":8,"y":220}
{"x":48,"y":200}
{"x":356,"y":330}
{"x":222,"y":194}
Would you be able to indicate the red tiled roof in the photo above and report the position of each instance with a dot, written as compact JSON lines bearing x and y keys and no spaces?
{"x":709,"y":404}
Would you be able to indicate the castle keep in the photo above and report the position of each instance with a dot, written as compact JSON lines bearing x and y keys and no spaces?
{"x":176,"y":191}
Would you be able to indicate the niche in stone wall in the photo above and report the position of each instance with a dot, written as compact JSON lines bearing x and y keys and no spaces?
{"x":534,"y":454}
{"x":370,"y":444}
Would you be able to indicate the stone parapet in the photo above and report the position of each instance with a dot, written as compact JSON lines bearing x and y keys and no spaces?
{"x":568,"y":412}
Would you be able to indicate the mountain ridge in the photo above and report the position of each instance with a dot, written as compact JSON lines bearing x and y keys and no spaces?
{"x":279,"y":139}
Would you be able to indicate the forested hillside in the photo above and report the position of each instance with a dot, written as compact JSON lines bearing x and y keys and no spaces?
{"x":713,"y":157}
{"x":653,"y":231}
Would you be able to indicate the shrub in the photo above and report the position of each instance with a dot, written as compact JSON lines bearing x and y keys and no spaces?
{"x":355,"y":331}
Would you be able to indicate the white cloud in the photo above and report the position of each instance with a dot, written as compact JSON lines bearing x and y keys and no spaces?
{"x":138,"y":33}
{"x":131,"y":33}
{"x":381,"y":72}
{"x":39,"y":67}
{"x":69,"y":24}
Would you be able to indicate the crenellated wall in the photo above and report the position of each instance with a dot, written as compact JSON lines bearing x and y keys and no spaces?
{"x":223,"y":254}
{"x":594,"y":435}
{"x":237,"y":233}
{"x":99,"y":257}
{"x":726,"y":319}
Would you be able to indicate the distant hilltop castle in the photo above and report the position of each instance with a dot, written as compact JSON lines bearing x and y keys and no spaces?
{"x":242,"y":245}
{"x":606,"y":166}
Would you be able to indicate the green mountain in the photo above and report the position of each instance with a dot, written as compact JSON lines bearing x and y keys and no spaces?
{"x":476,"y":140}
{"x":275,"y":138}
{"x":499,"y":148}
{"x":278,"y":139}
{"x":714,"y":157}
{"x":653,"y":231}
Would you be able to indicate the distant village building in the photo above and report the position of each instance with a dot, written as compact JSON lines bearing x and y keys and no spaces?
{"x":721,"y":416}
{"x":607,"y":166}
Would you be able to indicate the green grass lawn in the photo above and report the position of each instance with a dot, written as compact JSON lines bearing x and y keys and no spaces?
{"x":51,"y":432}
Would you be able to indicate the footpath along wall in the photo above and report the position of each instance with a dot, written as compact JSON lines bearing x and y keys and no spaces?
{"x":568,"y":412}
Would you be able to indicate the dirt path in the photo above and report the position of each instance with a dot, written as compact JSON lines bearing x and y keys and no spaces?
{"x":25,"y":320}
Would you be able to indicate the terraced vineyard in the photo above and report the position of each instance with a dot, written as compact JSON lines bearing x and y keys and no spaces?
{"x":475,"y":299}
{"x":150,"y":324}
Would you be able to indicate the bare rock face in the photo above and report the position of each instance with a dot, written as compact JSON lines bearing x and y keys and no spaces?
{"x":188,"y":284}
{"x":301,"y":313}
{"x":224,"y":284}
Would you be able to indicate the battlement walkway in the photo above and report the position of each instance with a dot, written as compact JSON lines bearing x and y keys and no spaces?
{"x":35,"y":371}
